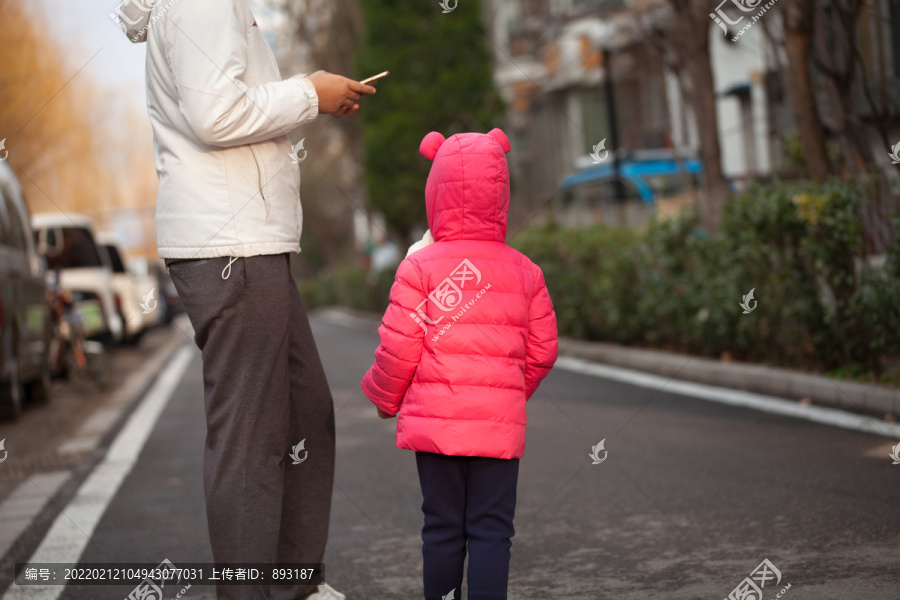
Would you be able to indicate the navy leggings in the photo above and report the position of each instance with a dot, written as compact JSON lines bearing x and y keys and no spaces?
{"x":468,"y":501}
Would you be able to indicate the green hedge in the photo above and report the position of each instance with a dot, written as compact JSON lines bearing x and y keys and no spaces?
{"x":800,"y":246}
{"x":348,"y":285}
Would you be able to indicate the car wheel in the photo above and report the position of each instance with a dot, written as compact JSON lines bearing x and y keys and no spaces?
{"x":39,"y":389}
{"x":12,"y":392}
{"x":133,"y":340}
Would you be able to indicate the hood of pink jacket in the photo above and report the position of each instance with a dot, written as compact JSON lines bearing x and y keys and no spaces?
{"x":470,"y":330}
{"x":467,"y":192}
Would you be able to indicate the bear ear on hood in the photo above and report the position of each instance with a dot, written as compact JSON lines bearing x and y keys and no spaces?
{"x":501,"y":139}
{"x":430,"y":145}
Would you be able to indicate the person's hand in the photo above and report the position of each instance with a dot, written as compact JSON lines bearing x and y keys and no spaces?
{"x":337,"y":94}
{"x":384,"y":415}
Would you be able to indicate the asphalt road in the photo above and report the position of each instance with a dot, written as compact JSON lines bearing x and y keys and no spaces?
{"x":34,"y":438}
{"x":692,"y":497}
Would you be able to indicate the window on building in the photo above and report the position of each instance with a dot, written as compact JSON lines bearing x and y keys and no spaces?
{"x":594,"y":118}
{"x":598,"y":3}
{"x":534,"y":8}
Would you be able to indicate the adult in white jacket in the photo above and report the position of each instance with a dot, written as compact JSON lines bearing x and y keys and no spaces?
{"x":228,"y":213}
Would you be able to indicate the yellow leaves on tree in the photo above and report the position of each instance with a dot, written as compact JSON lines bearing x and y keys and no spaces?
{"x":57,"y":130}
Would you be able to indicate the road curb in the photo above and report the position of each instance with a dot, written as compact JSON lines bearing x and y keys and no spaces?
{"x":773,"y":381}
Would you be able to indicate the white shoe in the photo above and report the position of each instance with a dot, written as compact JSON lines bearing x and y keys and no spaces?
{"x":326,"y":592}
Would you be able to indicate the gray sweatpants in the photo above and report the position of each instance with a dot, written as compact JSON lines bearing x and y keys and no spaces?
{"x":265,"y":392}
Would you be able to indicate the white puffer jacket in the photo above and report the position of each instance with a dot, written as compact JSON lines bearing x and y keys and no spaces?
{"x":228,"y":185}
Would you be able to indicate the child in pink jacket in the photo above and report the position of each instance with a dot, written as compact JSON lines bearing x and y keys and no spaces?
{"x":469,"y":335}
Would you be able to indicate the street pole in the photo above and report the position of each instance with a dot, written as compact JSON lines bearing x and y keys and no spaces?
{"x":618,"y":190}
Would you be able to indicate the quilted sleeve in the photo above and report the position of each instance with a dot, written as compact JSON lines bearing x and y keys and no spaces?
{"x":542,"y":346}
{"x":208,"y":52}
{"x":402,"y":338}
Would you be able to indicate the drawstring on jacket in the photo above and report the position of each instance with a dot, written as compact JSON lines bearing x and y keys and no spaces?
{"x":226,"y":272}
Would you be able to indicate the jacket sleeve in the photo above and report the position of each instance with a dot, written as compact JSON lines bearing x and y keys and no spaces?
{"x":542,"y":346}
{"x":402,"y":338}
{"x":207,"y":50}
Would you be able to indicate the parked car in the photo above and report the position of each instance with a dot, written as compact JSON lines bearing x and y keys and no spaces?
{"x":67,"y":242}
{"x":174,"y":305}
{"x":129,"y":295}
{"x":25,"y":320}
{"x":652,"y":183}
{"x":164,"y":303}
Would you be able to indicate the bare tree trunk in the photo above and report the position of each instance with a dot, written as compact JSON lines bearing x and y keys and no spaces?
{"x":843,"y":71}
{"x":684,"y":41}
{"x":799,"y":17}
{"x":326,"y":33}
{"x":703,"y":100}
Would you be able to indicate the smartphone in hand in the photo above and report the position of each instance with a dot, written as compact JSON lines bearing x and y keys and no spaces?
{"x":374,"y":78}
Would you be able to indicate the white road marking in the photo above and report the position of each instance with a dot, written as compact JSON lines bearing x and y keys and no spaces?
{"x":769,"y":404}
{"x":95,"y":427}
{"x":25,"y":503}
{"x":74,"y":526}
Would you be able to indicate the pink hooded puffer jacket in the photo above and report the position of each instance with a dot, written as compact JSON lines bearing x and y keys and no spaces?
{"x":470,"y":331}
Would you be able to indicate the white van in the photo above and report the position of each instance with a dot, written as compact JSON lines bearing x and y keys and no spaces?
{"x":67,"y":242}
{"x":126,"y":289}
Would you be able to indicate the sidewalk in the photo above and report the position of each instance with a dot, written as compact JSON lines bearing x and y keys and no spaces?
{"x":774,"y":381}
